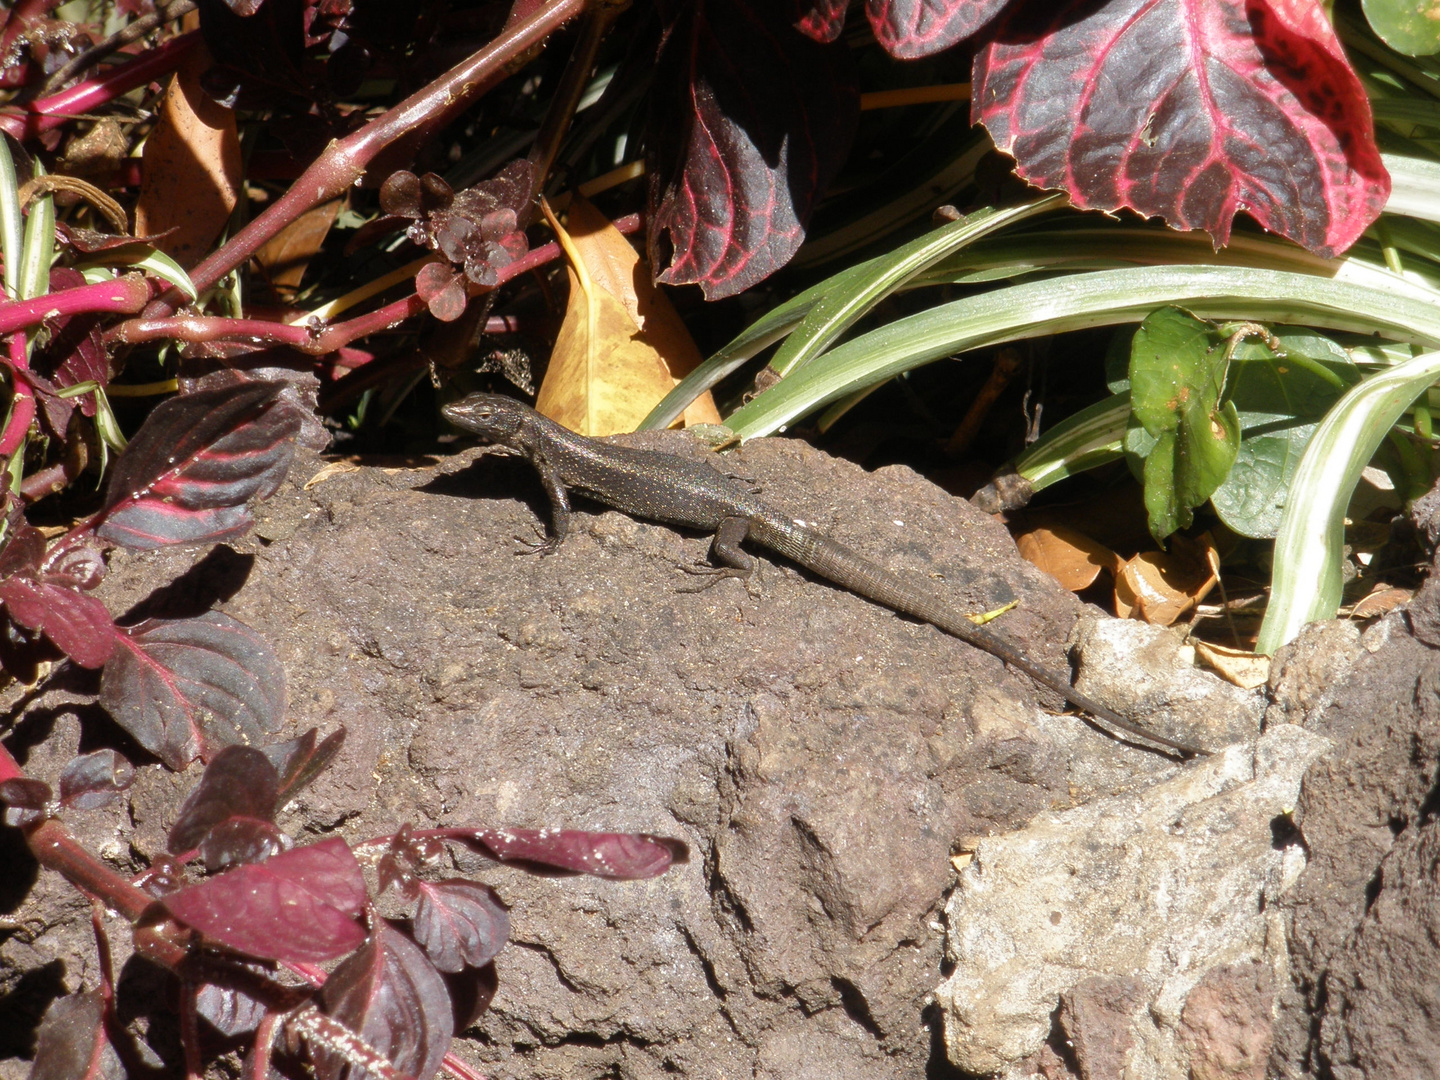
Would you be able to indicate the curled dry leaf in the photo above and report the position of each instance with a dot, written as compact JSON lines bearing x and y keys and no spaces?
{"x":1069,"y":556}
{"x":1161,"y":587}
{"x":1241,"y":667}
{"x":620,"y":349}
{"x":1382,"y":599}
{"x":192,"y":167}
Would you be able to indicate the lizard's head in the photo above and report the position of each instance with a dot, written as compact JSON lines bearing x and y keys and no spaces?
{"x":489,"y":417}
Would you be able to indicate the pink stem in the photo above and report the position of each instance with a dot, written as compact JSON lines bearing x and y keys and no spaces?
{"x":344,"y":161}
{"x":22,"y":401}
{"x":126,"y":294}
{"x":51,"y":112}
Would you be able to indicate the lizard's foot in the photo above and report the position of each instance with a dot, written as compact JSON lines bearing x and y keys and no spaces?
{"x":713,"y":575}
{"x":541,"y":543}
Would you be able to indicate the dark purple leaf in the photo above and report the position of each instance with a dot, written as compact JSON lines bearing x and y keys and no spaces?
{"x":71,"y":1043}
{"x":94,"y":780}
{"x":460,"y":923}
{"x":300,"y":760}
{"x":750,"y":120}
{"x":185,"y":688}
{"x":239,"y":782}
{"x":1190,"y":110}
{"x":23,"y":551}
{"x":79,"y":625}
{"x":198,"y":459}
{"x":230,"y":1010}
{"x":299,"y":906}
{"x":239,"y":840}
{"x":909,"y":29}
{"x":25,"y":800}
{"x":822,"y":20}
{"x":471,"y":992}
{"x":390,"y":995}
{"x":239,"y":367}
{"x":626,"y":856}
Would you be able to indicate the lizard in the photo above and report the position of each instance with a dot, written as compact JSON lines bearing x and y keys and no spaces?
{"x":679,"y":491}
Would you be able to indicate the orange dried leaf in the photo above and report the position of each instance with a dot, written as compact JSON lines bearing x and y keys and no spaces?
{"x":1241,"y":667}
{"x":1070,"y":557}
{"x":192,"y":167}
{"x":621,"y":348}
{"x":1384,"y":598}
{"x":286,"y":254}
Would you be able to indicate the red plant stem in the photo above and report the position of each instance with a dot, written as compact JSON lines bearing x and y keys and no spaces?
{"x":22,"y":401}
{"x":51,"y":112}
{"x":344,"y":161}
{"x":47,"y":481}
{"x":307,"y":340}
{"x":126,"y":294}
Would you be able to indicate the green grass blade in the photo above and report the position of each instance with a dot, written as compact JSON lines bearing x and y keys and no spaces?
{"x":1091,"y":437}
{"x":1309,"y":548}
{"x":840,"y":307}
{"x":1414,"y":187}
{"x":1103,"y":298}
{"x":11,"y":225}
{"x":37,"y":250}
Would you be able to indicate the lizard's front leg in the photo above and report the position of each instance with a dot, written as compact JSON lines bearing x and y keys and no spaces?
{"x":559,"y":510}
{"x":725,"y":549}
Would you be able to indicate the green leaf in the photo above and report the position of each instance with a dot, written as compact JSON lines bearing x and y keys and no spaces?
{"x":1102,"y":298}
{"x":147,"y":259}
{"x":819,"y":315}
{"x":1280,"y":399}
{"x":1309,"y":548}
{"x":1406,"y":26}
{"x":1178,"y":366}
{"x":38,"y":248}
{"x":11,"y":223}
{"x":1089,"y":438}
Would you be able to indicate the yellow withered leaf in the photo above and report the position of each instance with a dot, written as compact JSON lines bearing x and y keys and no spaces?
{"x":621,"y":347}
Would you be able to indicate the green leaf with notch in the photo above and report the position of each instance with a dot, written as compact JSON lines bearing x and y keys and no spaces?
{"x":1178,"y":366}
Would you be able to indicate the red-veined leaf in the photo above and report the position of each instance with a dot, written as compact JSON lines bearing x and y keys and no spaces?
{"x":79,"y":625}
{"x":185,"y":688}
{"x":1190,"y":110}
{"x":390,"y":995}
{"x":610,"y":855}
{"x":460,"y":923}
{"x":94,"y":780}
{"x":71,"y":1043}
{"x":908,"y":29}
{"x":299,"y":906}
{"x":751,"y":120}
{"x":198,"y":459}
{"x":240,"y":840}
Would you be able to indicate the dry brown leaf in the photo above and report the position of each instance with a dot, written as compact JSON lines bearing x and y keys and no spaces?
{"x":192,"y":167}
{"x":621,"y":348}
{"x":1070,"y":557}
{"x":1245,"y":669}
{"x":1384,"y":598}
{"x":286,"y":254}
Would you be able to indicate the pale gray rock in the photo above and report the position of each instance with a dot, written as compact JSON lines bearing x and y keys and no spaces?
{"x":1149,"y":671}
{"x":1160,"y":885}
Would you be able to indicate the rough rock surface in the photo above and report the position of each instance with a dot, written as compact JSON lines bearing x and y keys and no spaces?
{"x":1158,"y":886}
{"x":1364,"y":920}
{"x":823,"y":758}
{"x":820,"y":755}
